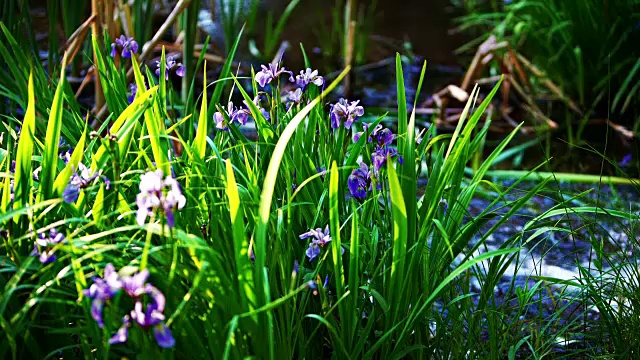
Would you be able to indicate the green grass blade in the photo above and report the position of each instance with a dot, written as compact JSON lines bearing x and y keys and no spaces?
{"x":241,"y":245}
{"x":76,"y":157}
{"x":402,"y":103}
{"x":264,"y":129}
{"x":54,"y":126}
{"x":399,"y":211}
{"x":354,"y":272}
{"x":98,"y":205}
{"x":200,"y":141}
{"x":24,"y":174}
{"x":163,"y":78}
{"x":6,"y":187}
{"x":154,"y":122}
{"x":336,"y":246}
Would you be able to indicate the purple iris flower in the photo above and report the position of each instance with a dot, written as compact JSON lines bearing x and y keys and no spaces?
{"x":12,"y":170}
{"x":294,"y":184}
{"x":380,"y":136}
{"x":626,"y":160}
{"x":358,"y":135}
{"x":128,"y":46}
{"x":444,"y":204}
{"x":379,"y":157}
{"x":102,"y":290}
{"x":133,"y":90}
{"x":63,"y":147}
{"x":294,"y":97}
{"x":106,"y":287}
{"x":43,"y":246}
{"x":256,"y":102}
{"x":306,"y":77}
{"x":359,"y":182}
{"x":122,"y":334}
{"x":11,"y":190}
{"x":234,"y":114}
{"x":163,"y":336}
{"x":345,"y":113}
{"x":169,"y":65}
{"x":81,"y":180}
{"x":419,"y":137}
{"x":319,"y":238}
{"x":134,"y":285}
{"x":383,"y":138}
{"x":267,"y":74}
{"x":65,"y":156}
{"x":156,"y":193}
{"x":322,"y":171}
{"x":153,"y":317}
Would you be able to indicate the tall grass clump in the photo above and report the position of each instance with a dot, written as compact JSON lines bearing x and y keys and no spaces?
{"x":170,"y":232}
{"x":586,"y":48}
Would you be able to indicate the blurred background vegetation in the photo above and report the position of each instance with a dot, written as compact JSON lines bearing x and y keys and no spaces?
{"x":572,"y":67}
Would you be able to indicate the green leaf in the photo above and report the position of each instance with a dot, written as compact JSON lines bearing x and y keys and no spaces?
{"x":76,"y":157}
{"x":399,"y":212}
{"x":354,"y":273}
{"x":98,"y":205}
{"x":50,"y":158}
{"x":200,"y":141}
{"x":6,"y":187}
{"x":241,"y":245}
{"x":24,"y":173}
{"x":163,"y":77}
{"x":402,"y":102}
{"x":336,"y":249}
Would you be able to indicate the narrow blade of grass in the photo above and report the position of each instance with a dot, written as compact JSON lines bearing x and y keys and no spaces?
{"x":54,"y":125}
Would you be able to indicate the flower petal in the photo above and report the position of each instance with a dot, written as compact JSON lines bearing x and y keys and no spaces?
{"x":96,"y":311}
{"x":163,"y":336}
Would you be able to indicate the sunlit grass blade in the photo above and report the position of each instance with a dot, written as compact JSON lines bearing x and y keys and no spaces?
{"x":154,"y":120}
{"x":76,"y":157}
{"x":200,"y":141}
{"x":163,"y":77}
{"x":264,"y":130}
{"x":54,"y":126}
{"x":402,"y":103}
{"x":399,"y":211}
{"x":241,"y":245}
{"x":124,"y":124}
{"x":336,"y":251}
{"x":24,"y":174}
{"x":17,"y":212}
{"x":408,"y":178}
